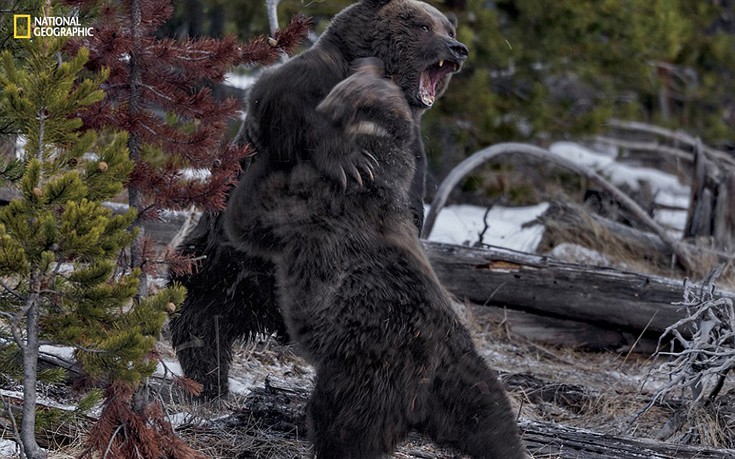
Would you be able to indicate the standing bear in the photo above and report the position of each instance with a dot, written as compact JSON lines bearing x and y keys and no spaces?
{"x":357,"y":292}
{"x":232,"y":293}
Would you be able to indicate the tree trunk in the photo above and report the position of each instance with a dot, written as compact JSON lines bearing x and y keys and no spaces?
{"x":135,"y":196}
{"x":712,"y":205}
{"x":30,"y":373}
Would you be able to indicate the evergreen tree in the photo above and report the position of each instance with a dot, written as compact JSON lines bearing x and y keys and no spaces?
{"x":160,"y":93}
{"x":58,"y":218}
{"x":59,"y":278}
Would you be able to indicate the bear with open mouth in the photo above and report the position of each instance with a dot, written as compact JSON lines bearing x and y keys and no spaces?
{"x":356,"y":290}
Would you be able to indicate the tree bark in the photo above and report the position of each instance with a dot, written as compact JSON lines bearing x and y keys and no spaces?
{"x":135,"y":196}
{"x":30,"y":373}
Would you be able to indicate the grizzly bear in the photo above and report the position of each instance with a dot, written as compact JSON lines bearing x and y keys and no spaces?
{"x":358,"y":294}
{"x":231,"y":294}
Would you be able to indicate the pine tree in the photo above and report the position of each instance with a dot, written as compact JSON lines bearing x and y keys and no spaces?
{"x":58,"y":218}
{"x":160,"y":93}
{"x":59,"y":246}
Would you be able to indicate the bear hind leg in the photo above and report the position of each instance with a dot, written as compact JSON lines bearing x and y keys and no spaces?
{"x":354,"y":415}
{"x":469,"y":410}
{"x":231,"y":295}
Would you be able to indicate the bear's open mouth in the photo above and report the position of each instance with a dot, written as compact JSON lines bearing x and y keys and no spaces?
{"x":431,"y":77}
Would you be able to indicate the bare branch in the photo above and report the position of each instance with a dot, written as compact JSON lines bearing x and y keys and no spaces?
{"x":272,"y":9}
{"x":680,"y":249}
{"x":16,"y":433}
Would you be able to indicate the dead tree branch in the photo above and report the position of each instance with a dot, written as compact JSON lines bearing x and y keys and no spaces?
{"x":705,"y":356}
{"x":272,"y":9}
{"x":681,"y":250}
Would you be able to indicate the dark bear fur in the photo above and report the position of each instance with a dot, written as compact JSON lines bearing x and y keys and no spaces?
{"x":361,"y":300}
{"x":231,"y":294}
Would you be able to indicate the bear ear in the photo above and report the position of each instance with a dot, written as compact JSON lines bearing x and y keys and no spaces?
{"x":453,"y":19}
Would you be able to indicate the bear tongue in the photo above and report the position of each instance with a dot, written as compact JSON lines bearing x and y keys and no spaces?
{"x":427,"y":88}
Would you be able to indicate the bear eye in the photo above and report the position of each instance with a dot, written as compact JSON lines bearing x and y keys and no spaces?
{"x":425,"y":28}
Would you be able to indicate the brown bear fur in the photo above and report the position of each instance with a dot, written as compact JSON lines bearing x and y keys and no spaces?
{"x":360,"y":298}
{"x":232,"y":293}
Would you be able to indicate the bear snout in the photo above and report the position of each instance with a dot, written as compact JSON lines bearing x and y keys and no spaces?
{"x":458,"y":50}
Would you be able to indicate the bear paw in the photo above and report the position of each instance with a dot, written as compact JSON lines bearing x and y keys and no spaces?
{"x":352,"y":164}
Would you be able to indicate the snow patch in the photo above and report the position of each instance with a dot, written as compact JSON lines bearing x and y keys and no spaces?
{"x":462,"y":225}
{"x":167,"y":367}
{"x":8,"y":448}
{"x":620,"y":174}
{"x":196,"y":175}
{"x":62,"y":352}
{"x":581,"y":156}
{"x":671,"y":200}
{"x":41,"y":400}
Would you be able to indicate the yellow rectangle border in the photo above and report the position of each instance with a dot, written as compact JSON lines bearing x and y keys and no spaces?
{"x":27,"y":17}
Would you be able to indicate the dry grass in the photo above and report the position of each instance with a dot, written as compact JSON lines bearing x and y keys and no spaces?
{"x":587,"y":232}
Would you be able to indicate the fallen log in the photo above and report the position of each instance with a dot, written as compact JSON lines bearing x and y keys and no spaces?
{"x":544,"y":286}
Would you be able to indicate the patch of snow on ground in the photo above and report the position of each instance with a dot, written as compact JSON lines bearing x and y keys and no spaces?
{"x":62,"y":352}
{"x":199,"y":175}
{"x":41,"y":400}
{"x":8,"y":448}
{"x":239,"y":81}
{"x":673,"y":221}
{"x":462,"y":224}
{"x":582,"y":156}
{"x":679,"y":201}
{"x":172,"y":366}
{"x":620,"y":174}
{"x":660,"y":182}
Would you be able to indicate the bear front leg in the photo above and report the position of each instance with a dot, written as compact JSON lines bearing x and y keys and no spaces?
{"x":364,"y":104}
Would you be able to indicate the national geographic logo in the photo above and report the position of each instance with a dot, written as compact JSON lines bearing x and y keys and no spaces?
{"x":22,"y":26}
{"x":48,"y":26}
